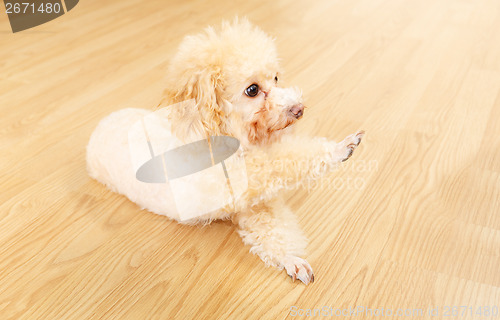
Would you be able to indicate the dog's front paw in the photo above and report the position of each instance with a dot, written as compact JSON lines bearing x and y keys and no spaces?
{"x":298,"y":268}
{"x":351,"y":143}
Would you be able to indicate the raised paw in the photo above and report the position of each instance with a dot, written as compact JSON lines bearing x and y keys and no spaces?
{"x":298,"y":268}
{"x":351,"y":143}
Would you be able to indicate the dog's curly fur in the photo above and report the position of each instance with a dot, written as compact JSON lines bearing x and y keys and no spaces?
{"x":215,"y":68}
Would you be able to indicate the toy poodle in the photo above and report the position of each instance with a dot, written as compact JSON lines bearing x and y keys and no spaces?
{"x":232,"y":75}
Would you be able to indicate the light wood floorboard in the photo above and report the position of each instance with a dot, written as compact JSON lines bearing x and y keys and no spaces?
{"x":411,"y":221}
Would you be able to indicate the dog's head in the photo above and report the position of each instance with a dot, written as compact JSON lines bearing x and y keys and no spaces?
{"x":233,"y":75}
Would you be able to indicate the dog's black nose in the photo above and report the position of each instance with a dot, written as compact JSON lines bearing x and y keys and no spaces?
{"x":297,"y":110}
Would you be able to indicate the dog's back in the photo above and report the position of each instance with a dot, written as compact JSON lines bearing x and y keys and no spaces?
{"x":109,"y":161}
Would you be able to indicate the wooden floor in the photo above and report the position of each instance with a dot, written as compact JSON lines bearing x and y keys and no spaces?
{"x":411,"y":222}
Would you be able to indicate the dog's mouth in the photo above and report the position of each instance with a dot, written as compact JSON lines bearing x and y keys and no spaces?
{"x":288,"y":123}
{"x":286,"y":126}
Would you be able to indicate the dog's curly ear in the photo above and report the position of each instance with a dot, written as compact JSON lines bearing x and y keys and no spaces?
{"x":205,"y":86}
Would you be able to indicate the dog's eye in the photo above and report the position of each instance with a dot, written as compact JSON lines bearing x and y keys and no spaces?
{"x":252,"y":91}
{"x":276,"y":78}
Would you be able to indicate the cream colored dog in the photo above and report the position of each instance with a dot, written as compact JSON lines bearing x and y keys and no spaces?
{"x":232,"y":74}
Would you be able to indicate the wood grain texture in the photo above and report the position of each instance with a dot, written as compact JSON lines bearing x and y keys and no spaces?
{"x":411,"y":221}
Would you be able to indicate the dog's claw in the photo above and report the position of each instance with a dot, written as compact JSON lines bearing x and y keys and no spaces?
{"x":298,"y":268}
{"x":350,"y":150}
{"x":360,"y":134}
{"x":352,"y":142}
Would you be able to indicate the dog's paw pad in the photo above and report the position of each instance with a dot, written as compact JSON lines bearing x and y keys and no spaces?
{"x":298,"y":268}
